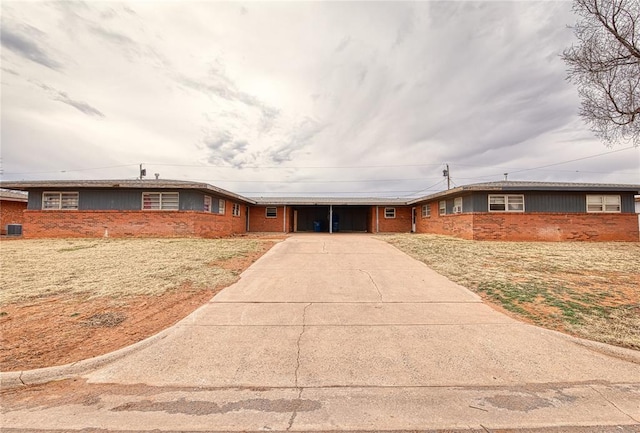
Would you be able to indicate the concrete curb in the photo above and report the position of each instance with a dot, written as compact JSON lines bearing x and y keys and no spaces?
{"x":622,"y":353}
{"x":15,"y":379}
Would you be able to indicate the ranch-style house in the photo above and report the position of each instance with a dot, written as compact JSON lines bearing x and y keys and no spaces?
{"x":506,"y":210}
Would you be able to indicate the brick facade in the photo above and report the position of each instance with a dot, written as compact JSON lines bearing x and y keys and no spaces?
{"x":400,"y":224}
{"x":552,"y":227}
{"x":120,"y":224}
{"x":258,"y":221}
{"x":459,"y":225}
{"x":11,"y":212}
{"x":556,"y":227}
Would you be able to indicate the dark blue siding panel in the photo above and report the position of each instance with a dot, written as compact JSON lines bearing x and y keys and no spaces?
{"x":480,"y":202}
{"x":561,"y":202}
{"x":35,"y":199}
{"x":467,"y":203}
{"x":555,"y":202}
{"x":191,"y":200}
{"x":110,"y":199}
{"x":628,"y":203}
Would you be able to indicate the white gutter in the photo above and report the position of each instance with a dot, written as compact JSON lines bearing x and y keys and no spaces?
{"x":284,"y":219}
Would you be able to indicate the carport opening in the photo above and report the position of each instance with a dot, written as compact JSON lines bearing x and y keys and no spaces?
{"x":346,"y":219}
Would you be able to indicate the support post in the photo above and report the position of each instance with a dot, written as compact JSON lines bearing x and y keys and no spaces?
{"x":330,"y":218}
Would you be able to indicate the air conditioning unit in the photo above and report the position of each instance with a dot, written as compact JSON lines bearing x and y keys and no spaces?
{"x":457,"y":209}
{"x":14,"y":229}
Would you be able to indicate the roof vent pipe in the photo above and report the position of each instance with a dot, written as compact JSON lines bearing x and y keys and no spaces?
{"x":157,"y":175}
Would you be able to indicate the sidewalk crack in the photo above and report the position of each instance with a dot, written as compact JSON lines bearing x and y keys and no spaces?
{"x":304,"y":324}
{"x":297,"y":400}
{"x":613,"y":404}
{"x":374,"y":283}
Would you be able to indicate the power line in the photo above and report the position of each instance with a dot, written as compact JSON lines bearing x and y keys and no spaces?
{"x":312,"y":181}
{"x":295,"y":166}
{"x":73,"y":170}
{"x":510,"y":170}
{"x":429,"y":188}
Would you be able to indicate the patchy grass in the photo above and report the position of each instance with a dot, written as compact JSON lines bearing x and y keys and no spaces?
{"x":589,"y":289}
{"x":116,"y":267}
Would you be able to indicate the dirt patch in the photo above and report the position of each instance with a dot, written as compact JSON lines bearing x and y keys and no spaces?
{"x":72,"y":325}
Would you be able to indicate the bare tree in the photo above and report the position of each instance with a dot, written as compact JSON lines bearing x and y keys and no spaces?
{"x":605,"y":65}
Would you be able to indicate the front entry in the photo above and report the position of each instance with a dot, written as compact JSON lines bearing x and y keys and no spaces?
{"x":413,"y":219}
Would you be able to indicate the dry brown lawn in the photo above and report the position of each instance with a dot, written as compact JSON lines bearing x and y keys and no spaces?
{"x":588,"y":289}
{"x":62,"y":301}
{"x":115,"y":267}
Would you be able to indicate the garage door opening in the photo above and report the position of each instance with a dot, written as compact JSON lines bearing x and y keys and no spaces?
{"x":349,"y":219}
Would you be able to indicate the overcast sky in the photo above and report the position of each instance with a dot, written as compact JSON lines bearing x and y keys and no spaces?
{"x":295,"y":98}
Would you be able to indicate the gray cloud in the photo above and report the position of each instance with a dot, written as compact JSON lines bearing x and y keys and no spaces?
{"x":27,"y":48}
{"x":218,"y":85}
{"x":63,"y":97}
{"x":111,"y":35}
{"x":343,"y":44}
{"x":300,"y":137}
{"x":224,"y":147}
{"x":79,"y":105}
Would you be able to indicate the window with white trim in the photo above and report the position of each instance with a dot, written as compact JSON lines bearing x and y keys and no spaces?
{"x":236,"y":210}
{"x":160,"y":201}
{"x":389,"y":212}
{"x":426,"y":211}
{"x":457,"y":205}
{"x":221,"y":206}
{"x":506,"y":203}
{"x":207,"y":203}
{"x":271,"y":212}
{"x":60,"y":200}
{"x":442,"y":207}
{"x":603,"y":203}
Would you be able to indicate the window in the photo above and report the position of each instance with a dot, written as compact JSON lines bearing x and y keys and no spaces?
{"x":603,"y":203}
{"x":271,"y":212}
{"x":236,"y":209}
{"x":221,"y":207}
{"x":442,"y":207}
{"x":389,"y":212}
{"x":160,"y":201}
{"x":207,"y":203}
{"x":60,"y":200}
{"x":426,"y":211}
{"x":457,"y":205}
{"x":506,"y":203}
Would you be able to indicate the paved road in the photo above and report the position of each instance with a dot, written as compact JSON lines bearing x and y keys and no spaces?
{"x":345,"y":332}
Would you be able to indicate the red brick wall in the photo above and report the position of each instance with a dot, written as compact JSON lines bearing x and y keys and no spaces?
{"x":400,"y":224}
{"x":459,"y":225}
{"x":238,"y":223}
{"x":258,"y":222}
{"x":555,"y":227}
{"x":11,"y":213}
{"x":51,"y":224}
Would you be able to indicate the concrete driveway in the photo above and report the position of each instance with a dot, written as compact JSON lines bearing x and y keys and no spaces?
{"x":345,"y":332}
